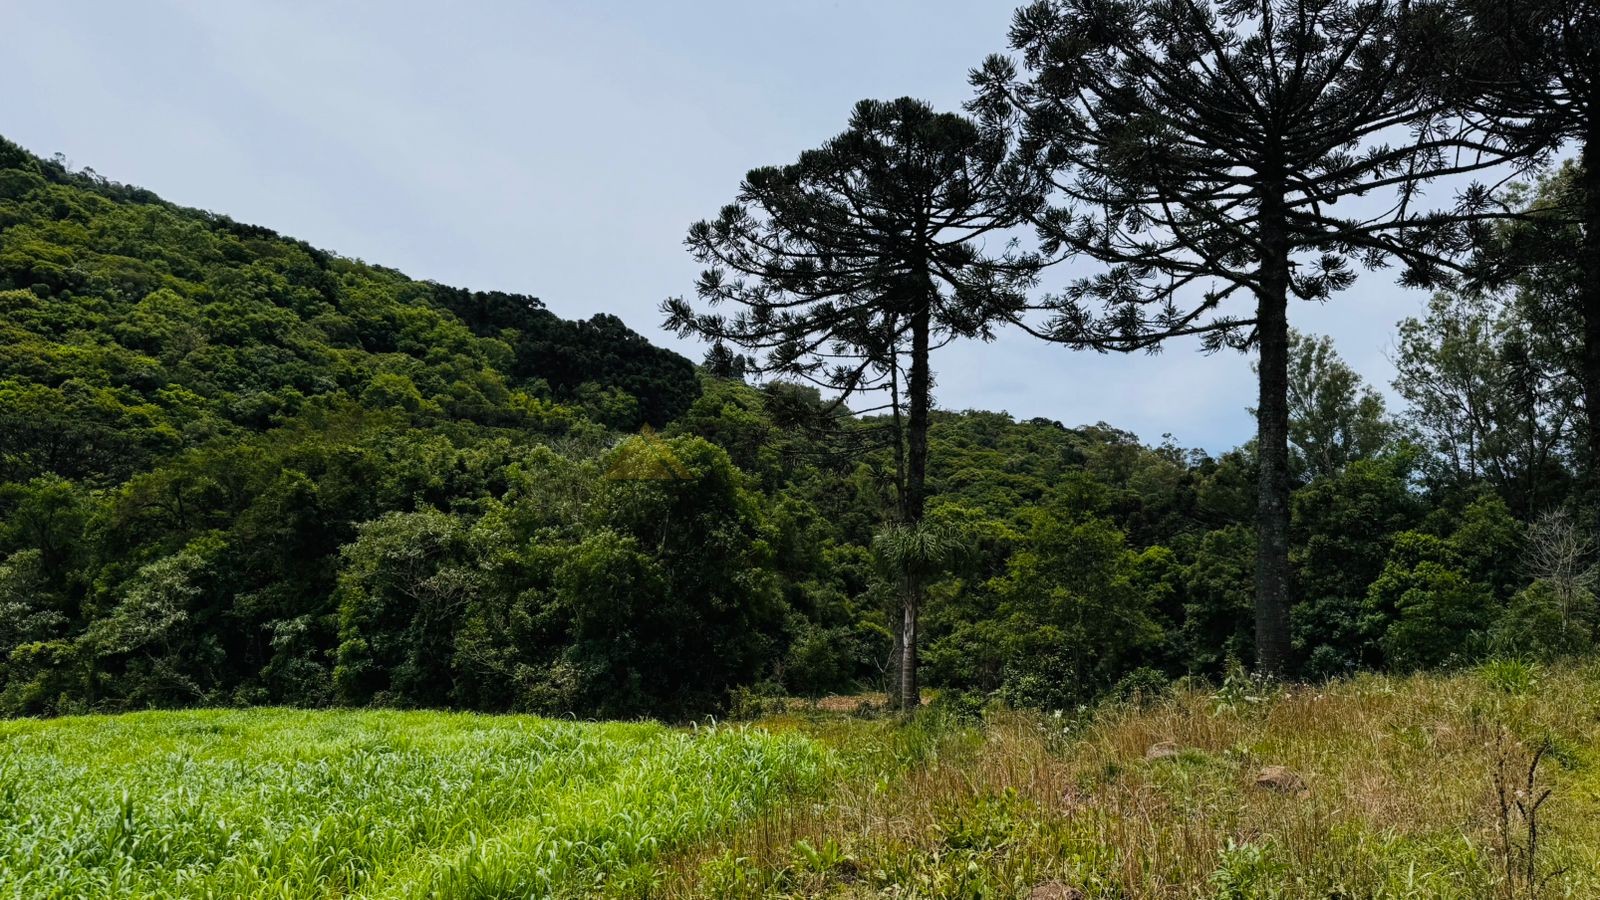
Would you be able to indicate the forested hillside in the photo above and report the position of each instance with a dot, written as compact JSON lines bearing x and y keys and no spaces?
{"x":238,"y":469}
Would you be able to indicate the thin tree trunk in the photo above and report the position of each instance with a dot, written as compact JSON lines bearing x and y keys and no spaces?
{"x":899,"y":432}
{"x":897,"y":652}
{"x":1589,"y":300}
{"x":1272,"y":439}
{"x":918,"y":388}
{"x":891,"y":679}
{"x":910,"y":689}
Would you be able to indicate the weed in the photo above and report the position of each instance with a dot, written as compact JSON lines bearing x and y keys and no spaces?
{"x":1248,"y":872}
{"x":1521,"y":798}
{"x":1511,"y":676}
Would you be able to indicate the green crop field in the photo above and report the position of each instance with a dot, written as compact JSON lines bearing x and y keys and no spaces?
{"x":282,"y":803}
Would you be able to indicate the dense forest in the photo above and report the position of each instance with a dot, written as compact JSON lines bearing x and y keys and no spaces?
{"x":240,"y":470}
{"x":236,"y":469}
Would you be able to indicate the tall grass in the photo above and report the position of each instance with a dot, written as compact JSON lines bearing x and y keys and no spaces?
{"x":280,"y":803}
{"x":1405,"y":780}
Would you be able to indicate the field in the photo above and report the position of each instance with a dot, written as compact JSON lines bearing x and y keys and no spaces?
{"x":1403,"y":782}
{"x":1400,"y":790}
{"x":277,"y":803}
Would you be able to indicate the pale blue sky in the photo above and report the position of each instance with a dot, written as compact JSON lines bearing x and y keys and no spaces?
{"x":561,"y":150}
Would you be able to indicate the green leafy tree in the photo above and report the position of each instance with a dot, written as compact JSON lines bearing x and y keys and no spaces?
{"x":28,"y":622}
{"x":1484,"y":398}
{"x":672,"y":595}
{"x":1073,"y":612}
{"x":402,"y":590}
{"x":151,"y":648}
{"x":1491,"y":544}
{"x":1343,"y":528}
{"x":1438,"y":597}
{"x":1545,"y":622}
{"x":1437,"y":612}
{"x":1526,"y":71}
{"x":1218,"y":601}
{"x":1334,"y":419}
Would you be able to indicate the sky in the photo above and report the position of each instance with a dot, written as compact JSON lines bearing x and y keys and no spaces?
{"x":562,"y":150}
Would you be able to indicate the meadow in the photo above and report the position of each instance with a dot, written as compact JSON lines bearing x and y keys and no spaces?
{"x":1398,"y":787}
{"x":1482,"y":783}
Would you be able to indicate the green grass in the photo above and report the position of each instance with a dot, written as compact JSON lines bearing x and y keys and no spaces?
{"x":282,"y":803}
{"x":1401,"y":800}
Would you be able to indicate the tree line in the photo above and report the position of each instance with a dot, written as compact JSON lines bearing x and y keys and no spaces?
{"x":238,"y":469}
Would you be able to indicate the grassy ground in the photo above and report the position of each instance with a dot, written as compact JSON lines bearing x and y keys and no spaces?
{"x":1402,"y":798}
{"x":1403,"y":783}
{"x":278,"y":803}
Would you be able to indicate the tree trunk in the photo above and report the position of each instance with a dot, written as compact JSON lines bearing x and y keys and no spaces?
{"x":896,"y":651}
{"x":1272,"y":446}
{"x":918,"y":389}
{"x":899,"y":433}
{"x":910,"y":690}
{"x":1589,"y":303}
{"x":891,"y":675}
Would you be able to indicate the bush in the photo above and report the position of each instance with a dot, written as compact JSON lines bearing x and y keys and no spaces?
{"x":1142,"y":686}
{"x":1424,"y":610}
{"x":1437,"y":613}
{"x":1543,"y":623}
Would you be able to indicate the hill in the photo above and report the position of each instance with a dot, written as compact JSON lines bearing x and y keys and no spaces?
{"x":135,"y":329}
{"x":168,"y":376}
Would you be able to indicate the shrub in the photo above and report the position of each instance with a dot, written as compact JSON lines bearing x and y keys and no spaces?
{"x":1543,"y":622}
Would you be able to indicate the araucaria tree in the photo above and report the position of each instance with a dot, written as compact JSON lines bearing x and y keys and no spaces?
{"x":865,"y":252}
{"x":1529,"y":73}
{"x":1211,"y":153}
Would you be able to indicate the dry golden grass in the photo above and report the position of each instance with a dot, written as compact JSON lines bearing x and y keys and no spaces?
{"x":1400,"y":800}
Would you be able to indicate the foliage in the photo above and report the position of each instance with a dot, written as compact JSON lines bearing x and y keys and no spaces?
{"x":1344,"y":525}
{"x":1542,"y":622}
{"x":1489,"y":397}
{"x":1422,"y":608}
{"x":1334,"y":419}
{"x":238,"y":470}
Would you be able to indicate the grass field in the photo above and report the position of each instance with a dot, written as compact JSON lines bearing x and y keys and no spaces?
{"x":1400,"y":800}
{"x":278,"y":803}
{"x":1403,"y":780}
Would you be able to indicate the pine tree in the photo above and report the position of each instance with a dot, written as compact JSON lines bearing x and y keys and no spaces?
{"x":1528,"y":72}
{"x":867,"y":252}
{"x":1212,"y":154}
